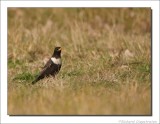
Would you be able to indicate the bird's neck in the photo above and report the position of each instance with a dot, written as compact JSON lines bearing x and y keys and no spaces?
{"x":56,"y":56}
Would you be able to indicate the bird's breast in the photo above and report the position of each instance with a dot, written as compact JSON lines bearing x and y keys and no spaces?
{"x":56,"y":60}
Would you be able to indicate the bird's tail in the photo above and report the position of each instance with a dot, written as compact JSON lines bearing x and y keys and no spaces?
{"x":33,"y":82}
{"x":38,"y":78}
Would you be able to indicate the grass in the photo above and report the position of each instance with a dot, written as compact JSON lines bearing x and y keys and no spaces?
{"x":106,"y":55}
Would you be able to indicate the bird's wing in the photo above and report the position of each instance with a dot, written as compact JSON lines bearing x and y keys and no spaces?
{"x":47,"y":70}
{"x":44,"y":70}
{"x":48,"y":64}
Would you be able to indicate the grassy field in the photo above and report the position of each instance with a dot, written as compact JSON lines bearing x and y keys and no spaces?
{"x":106,"y":56}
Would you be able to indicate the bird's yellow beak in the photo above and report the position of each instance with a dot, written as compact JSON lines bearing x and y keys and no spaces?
{"x":59,"y":49}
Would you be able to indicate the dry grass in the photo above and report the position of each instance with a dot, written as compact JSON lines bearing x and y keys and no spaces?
{"x":106,"y":61}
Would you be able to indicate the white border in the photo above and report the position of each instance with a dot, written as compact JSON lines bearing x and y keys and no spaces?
{"x":69,"y":119}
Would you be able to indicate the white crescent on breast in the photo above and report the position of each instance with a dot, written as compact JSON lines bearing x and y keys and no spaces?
{"x":56,"y":61}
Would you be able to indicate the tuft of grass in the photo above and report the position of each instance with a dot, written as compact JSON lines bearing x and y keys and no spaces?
{"x":13,"y":64}
{"x":25,"y":76}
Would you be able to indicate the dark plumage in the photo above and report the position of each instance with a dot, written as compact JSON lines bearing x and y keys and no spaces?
{"x":52,"y":67}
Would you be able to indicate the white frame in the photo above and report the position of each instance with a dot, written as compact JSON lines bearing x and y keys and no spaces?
{"x":82,"y":119}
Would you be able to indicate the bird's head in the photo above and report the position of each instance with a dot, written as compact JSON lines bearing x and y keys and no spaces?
{"x":57,"y":52}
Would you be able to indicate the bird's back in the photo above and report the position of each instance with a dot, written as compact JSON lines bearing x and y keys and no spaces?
{"x":50,"y":70}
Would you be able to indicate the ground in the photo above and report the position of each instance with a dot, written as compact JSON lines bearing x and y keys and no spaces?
{"x":106,"y":57}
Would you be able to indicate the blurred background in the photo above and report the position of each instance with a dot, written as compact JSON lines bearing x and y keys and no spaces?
{"x":106,"y":55}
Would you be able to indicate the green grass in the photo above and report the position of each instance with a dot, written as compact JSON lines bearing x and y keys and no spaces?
{"x":106,"y":57}
{"x":24,"y":76}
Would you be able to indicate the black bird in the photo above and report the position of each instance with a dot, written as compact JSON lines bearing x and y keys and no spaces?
{"x":52,"y":67}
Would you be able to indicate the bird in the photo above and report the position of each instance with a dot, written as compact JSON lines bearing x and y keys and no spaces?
{"x":52,"y":67}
